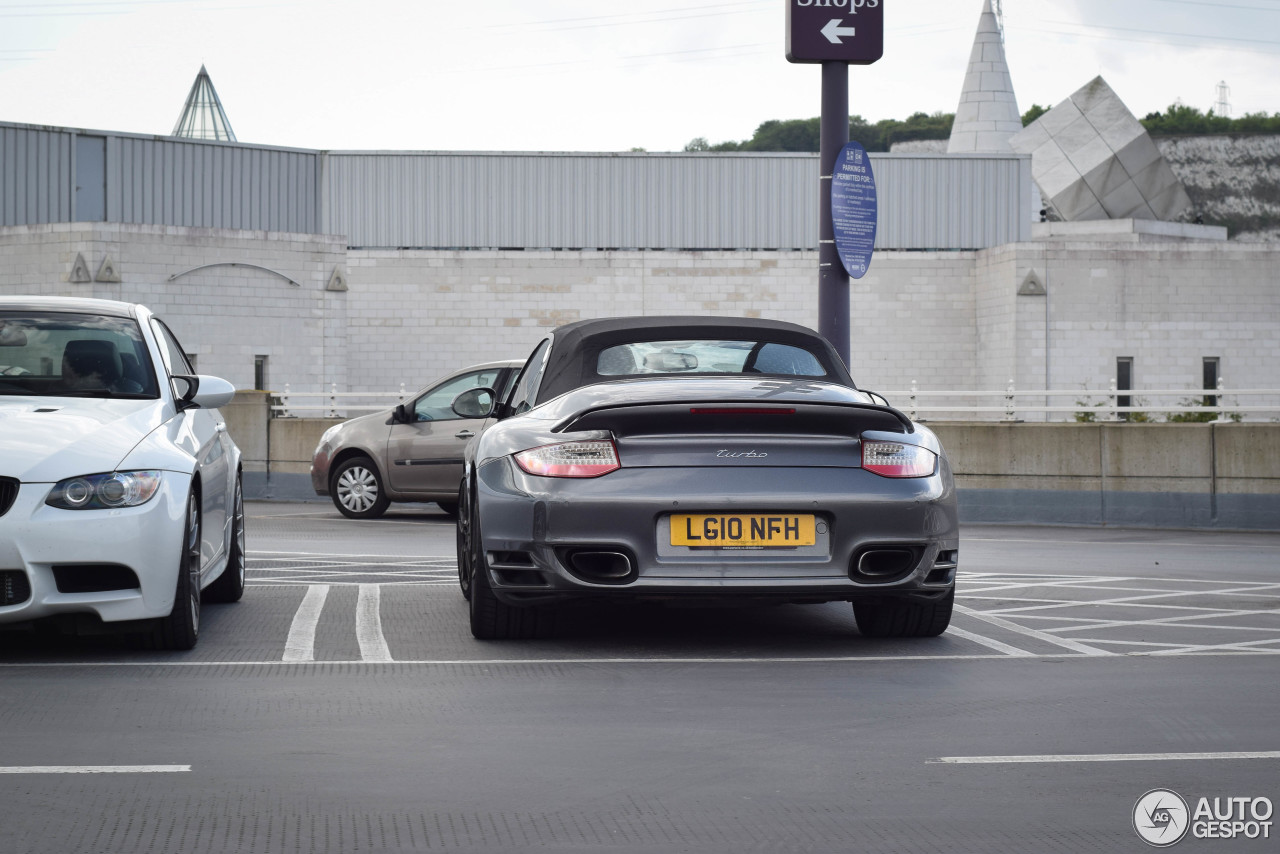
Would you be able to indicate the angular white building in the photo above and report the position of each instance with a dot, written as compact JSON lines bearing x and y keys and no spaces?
{"x":987,"y":115}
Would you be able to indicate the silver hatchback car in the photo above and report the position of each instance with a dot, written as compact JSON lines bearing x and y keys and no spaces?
{"x":411,"y":452}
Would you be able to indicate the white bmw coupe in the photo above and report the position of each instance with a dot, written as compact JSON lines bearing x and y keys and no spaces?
{"x":120,"y":498}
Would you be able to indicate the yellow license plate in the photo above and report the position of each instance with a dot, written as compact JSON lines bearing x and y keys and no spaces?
{"x":739,"y":530}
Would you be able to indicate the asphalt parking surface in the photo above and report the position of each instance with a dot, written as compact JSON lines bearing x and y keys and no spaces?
{"x":343,"y":706}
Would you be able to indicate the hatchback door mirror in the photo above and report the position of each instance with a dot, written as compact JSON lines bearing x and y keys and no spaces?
{"x":474,"y":403}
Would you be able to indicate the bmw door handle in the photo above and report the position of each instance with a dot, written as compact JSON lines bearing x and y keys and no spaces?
{"x":463,"y":434}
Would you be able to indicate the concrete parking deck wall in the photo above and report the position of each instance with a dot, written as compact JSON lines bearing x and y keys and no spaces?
{"x":1146,"y":475}
{"x":1149,"y":475}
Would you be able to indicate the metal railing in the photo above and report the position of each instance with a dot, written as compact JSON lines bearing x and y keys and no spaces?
{"x":1091,"y":405}
{"x":1009,"y":404}
{"x":333,"y":403}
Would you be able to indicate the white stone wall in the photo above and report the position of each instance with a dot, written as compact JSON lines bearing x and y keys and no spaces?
{"x":947,"y":320}
{"x":223,"y":315}
{"x":1166,"y":305}
{"x":430,"y":312}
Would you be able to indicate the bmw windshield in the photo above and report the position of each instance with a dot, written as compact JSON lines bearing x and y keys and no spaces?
{"x":56,"y":354}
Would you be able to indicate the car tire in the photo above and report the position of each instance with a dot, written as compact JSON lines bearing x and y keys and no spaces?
{"x":229,"y":587}
{"x":464,"y":546}
{"x":904,"y":618}
{"x":492,"y":619}
{"x":181,"y":629}
{"x":450,"y":508}
{"x":357,"y":489}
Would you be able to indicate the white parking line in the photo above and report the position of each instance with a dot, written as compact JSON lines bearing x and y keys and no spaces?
{"x":301,"y":643}
{"x":373,"y":646}
{"x":1032,"y":633}
{"x":989,"y":643}
{"x":95,"y":769}
{"x":362,"y":557}
{"x":1099,"y":757}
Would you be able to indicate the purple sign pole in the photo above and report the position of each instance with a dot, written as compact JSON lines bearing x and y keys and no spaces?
{"x":835,"y":33}
{"x":833,"y":280}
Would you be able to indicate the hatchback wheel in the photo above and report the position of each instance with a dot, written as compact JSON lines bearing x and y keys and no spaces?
{"x":357,"y":490}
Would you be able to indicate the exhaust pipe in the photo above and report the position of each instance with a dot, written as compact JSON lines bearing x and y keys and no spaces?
{"x":886,"y":564}
{"x":602,"y":567}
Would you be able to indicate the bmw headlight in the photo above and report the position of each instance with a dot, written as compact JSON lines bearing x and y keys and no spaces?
{"x":104,"y":491}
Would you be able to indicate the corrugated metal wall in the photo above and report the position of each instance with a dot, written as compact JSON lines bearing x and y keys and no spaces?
{"x":177,"y":182}
{"x":661,"y":201}
{"x":571,"y":200}
{"x":154,"y":180}
{"x":35,"y":175}
{"x":437,"y":200}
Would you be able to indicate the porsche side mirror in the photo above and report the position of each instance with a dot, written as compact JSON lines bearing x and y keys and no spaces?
{"x":474,"y":403}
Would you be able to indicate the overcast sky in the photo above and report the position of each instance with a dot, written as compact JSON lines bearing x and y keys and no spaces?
{"x":586,"y":75}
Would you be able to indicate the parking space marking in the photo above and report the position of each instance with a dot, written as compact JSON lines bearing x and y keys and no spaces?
{"x":1101,"y":757}
{"x":1090,"y":612}
{"x":349,"y":569}
{"x":301,"y":643}
{"x":1074,"y":646}
{"x":989,"y":643}
{"x":95,"y":769}
{"x":1173,"y":621}
{"x":373,"y":645}
{"x":1243,"y":646}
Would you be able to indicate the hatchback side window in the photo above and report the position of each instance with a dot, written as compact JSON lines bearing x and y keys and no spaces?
{"x":437,"y":403}
{"x":522,"y":396}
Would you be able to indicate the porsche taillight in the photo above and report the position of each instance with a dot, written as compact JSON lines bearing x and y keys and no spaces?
{"x":571,"y":459}
{"x":898,"y":459}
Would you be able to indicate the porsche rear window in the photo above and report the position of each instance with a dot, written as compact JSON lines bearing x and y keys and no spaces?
{"x":707,"y":357}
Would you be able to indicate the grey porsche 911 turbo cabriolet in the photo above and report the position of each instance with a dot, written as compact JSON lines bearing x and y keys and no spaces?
{"x":700,"y":458}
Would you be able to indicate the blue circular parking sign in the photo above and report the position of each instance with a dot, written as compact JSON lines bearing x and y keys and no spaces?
{"x":853,"y":208}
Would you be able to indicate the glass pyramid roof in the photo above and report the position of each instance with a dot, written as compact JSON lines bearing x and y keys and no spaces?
{"x":203,"y":116}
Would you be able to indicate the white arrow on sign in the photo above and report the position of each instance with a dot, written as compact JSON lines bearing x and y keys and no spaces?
{"x":833,"y":31}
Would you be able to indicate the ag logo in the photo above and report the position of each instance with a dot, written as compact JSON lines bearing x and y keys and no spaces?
{"x":1160,"y":817}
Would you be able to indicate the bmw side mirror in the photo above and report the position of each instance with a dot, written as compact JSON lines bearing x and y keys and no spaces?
{"x":202,"y":392}
{"x":474,"y":403}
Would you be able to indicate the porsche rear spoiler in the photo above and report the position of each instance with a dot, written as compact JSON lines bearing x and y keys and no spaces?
{"x":738,"y":416}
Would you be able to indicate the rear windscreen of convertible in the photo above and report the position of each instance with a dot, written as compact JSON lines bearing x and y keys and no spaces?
{"x":707,"y":357}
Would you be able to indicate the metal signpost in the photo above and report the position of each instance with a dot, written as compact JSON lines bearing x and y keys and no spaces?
{"x":837,"y":34}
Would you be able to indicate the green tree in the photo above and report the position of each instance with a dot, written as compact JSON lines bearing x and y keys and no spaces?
{"x":1032,"y":114}
{"x":1179,"y":119}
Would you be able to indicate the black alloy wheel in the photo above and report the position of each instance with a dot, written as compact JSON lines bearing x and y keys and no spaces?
{"x":181,"y":629}
{"x":229,"y":586}
{"x":464,"y":543}
{"x":904,"y":618}
{"x":492,"y":619}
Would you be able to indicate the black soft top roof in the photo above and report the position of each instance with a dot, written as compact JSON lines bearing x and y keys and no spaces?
{"x":576,"y":346}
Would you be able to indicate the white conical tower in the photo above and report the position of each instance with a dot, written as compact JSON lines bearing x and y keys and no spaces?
{"x":203,"y":116}
{"x":988,"y":112}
